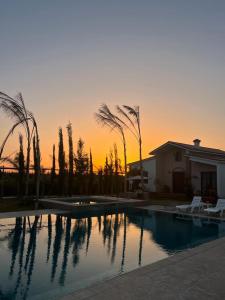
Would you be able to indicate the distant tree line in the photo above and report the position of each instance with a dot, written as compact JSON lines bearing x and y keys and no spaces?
{"x":70,"y":174}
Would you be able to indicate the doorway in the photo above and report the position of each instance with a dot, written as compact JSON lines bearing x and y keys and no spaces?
{"x":178,"y":182}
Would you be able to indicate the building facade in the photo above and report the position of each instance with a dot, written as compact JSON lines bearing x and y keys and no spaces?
{"x":182,"y":168}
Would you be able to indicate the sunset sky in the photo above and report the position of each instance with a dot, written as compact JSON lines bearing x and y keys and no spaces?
{"x":68,"y":57}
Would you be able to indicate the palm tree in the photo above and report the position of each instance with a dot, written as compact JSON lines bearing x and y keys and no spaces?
{"x":19,"y":164}
{"x":106,"y":118}
{"x":15,"y":108}
{"x":2,"y":146}
{"x":132,"y":116}
{"x":37,"y":159}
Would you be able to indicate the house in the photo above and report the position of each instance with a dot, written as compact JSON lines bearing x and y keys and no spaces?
{"x":178,"y":167}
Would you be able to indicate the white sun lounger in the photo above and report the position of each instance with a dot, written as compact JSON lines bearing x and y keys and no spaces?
{"x":220,"y":207}
{"x":196,"y":203}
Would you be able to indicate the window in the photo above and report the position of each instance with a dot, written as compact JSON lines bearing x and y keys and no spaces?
{"x":178,"y":156}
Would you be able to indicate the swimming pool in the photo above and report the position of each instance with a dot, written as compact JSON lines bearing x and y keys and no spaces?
{"x":49,"y":256}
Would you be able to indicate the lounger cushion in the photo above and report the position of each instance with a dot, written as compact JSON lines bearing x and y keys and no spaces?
{"x":215,"y":210}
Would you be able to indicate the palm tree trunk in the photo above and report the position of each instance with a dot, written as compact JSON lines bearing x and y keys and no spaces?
{"x":141,"y":164}
{"x":125,"y":162}
{"x":140,"y":149}
{"x":28,"y":159}
{"x":38,"y":164}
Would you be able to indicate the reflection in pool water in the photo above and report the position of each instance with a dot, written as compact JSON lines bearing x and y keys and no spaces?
{"x":86,"y":202}
{"x":47,"y":256}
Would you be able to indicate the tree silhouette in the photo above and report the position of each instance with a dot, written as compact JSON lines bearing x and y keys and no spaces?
{"x":57,"y":245}
{"x":71,"y":158}
{"x":106,"y":118}
{"x":124,"y":241}
{"x":91,"y":174}
{"x":132,"y":116}
{"x":62,"y":163}
{"x":49,"y":236}
{"x":15,"y":108}
{"x":81,"y":162}
{"x":66,"y":251}
{"x":53,"y":171}
{"x":15,"y":242}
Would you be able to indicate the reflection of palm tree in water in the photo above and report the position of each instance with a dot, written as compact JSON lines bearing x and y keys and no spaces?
{"x":111,"y":228}
{"x":115,"y":230}
{"x":141,"y":241}
{"x":15,"y":242}
{"x":32,"y":242}
{"x":18,"y":245}
{"x":49,"y":236}
{"x":78,"y":238}
{"x":66,"y":251}
{"x":99,"y":223}
{"x":57,"y":245}
{"x":108,"y":225}
{"x":21,"y":252}
{"x":107,"y":231}
{"x":124,"y":241}
{"x":89,"y":227}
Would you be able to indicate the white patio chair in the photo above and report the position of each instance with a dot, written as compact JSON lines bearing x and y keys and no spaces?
{"x":220,"y":207}
{"x":196,"y":203}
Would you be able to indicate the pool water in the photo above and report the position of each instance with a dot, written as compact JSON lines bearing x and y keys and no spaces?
{"x":49,"y":256}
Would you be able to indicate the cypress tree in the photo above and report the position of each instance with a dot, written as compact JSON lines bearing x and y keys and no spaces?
{"x":111,"y":169}
{"x":106,"y":176}
{"x":81,"y":162}
{"x":91,"y":174}
{"x":62,"y":163}
{"x":71,"y":158}
{"x":100,"y":180}
{"x":53,"y":171}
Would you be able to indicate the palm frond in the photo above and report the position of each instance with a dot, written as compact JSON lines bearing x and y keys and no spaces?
{"x":11,"y":131}
{"x":126,"y":116}
{"x":132,"y":111}
{"x":106,"y":121}
{"x":104,"y":110}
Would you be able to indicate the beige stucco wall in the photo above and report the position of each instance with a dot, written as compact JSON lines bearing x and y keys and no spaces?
{"x":149,"y":165}
{"x":166,"y":165}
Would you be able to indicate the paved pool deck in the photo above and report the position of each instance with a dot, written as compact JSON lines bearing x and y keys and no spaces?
{"x":197,"y":273}
{"x":172,"y":210}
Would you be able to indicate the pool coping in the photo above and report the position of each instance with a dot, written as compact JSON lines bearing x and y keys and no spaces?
{"x":194,"y":273}
{"x":105,"y":202}
{"x":26,"y":213}
{"x":165,"y":209}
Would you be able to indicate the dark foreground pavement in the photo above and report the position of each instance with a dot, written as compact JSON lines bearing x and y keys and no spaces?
{"x":197,"y":273}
